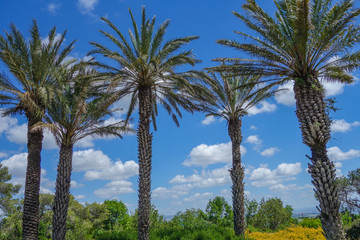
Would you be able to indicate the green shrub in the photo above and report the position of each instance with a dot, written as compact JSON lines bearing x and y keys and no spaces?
{"x":310,"y":223}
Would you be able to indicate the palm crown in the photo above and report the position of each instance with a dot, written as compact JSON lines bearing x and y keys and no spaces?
{"x":147,"y":62}
{"x":81,"y":108}
{"x":32,"y":63}
{"x":232,"y":96}
{"x":303,"y":41}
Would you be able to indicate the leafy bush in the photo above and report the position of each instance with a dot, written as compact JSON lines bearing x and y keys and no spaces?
{"x":310,"y":223}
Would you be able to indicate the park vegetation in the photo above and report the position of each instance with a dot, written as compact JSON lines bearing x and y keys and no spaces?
{"x":305,"y":42}
{"x":111,"y":220}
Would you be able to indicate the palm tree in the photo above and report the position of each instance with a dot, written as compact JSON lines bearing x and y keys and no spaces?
{"x":146,"y":73}
{"x":77,"y":112}
{"x":230,"y":98}
{"x":304,"y":43}
{"x":31,"y":63}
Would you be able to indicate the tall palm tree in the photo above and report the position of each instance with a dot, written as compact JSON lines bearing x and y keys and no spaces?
{"x":146,"y":72}
{"x":230,"y":98}
{"x":305,"y":42}
{"x":31,"y":63}
{"x":77,"y":112}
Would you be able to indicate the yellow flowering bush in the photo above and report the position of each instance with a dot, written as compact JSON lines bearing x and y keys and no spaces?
{"x":292,"y":233}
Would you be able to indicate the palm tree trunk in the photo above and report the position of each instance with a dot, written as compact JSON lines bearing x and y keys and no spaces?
{"x":144,"y":154}
{"x":32,"y":182}
{"x":237,"y":176}
{"x":62,"y":192}
{"x":315,"y":129}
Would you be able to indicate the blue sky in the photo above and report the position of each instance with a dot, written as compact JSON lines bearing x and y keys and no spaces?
{"x":190,"y":163}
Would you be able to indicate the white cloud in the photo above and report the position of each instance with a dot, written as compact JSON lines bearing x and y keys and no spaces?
{"x":208,"y":120}
{"x":87,"y":6}
{"x":174,"y":192}
{"x":116,"y":171}
{"x":78,"y":197}
{"x":16,"y":164}
{"x":198,"y":196}
{"x":3,"y":155}
{"x":292,"y":187}
{"x":90,"y":160}
{"x":253,"y":127}
{"x":261,"y":107}
{"x":114,"y":188}
{"x":7,"y":123}
{"x":204,"y":155}
{"x":18,"y":134}
{"x":207,"y":178}
{"x":340,"y":125}
{"x":336,"y":154}
{"x":269,"y":152}
{"x":255,"y":141}
{"x":53,"y":8}
{"x":286,"y":96}
{"x":264,"y":176}
{"x":75,"y":184}
{"x":333,"y":88}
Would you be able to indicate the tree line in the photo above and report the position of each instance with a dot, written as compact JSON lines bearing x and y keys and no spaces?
{"x":305,"y":42}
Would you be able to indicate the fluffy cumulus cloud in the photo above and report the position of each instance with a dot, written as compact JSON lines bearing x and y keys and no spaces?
{"x":208,"y":120}
{"x":16,"y":165}
{"x":340,"y":125}
{"x":199,"y":196}
{"x":262,"y":107}
{"x":253,"y":127}
{"x":90,"y":160}
{"x":269,"y":152}
{"x":174,"y":192}
{"x":53,"y":7}
{"x":291,"y":187}
{"x":207,"y":178}
{"x":16,"y":133}
{"x":204,"y":155}
{"x":116,"y":171}
{"x":263,"y":176}
{"x":114,"y":188}
{"x":336,"y":154}
{"x":87,"y":6}
{"x":287,"y":97}
{"x":253,"y":139}
{"x":286,"y":94}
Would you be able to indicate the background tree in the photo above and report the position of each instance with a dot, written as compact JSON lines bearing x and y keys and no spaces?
{"x":271,"y":214}
{"x":230,"y":98}
{"x":146,"y":72}
{"x":78,"y":111}
{"x":118,"y":214}
{"x":219,"y":212}
{"x":306,"y":41}
{"x":349,"y":189}
{"x":7,"y":191}
{"x":31,"y":62}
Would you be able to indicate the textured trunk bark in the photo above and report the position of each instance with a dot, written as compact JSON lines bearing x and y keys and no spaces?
{"x":315,"y":129}
{"x":144,"y":154}
{"x":62,"y":192}
{"x":237,"y":176}
{"x":32,"y":182}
